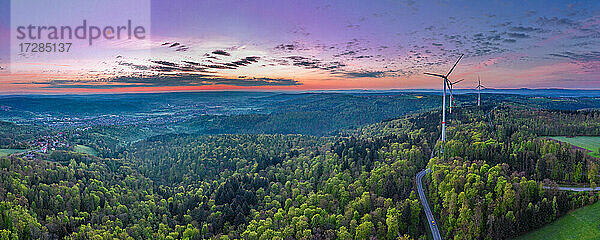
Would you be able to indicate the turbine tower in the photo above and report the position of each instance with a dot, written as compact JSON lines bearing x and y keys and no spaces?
{"x":451,"y":87}
{"x":479,"y":86}
{"x":445,"y":83}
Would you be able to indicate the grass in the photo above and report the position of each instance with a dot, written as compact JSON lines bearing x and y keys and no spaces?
{"x":579,"y":224}
{"x":8,"y":151}
{"x":85,"y":149}
{"x":590,"y":143}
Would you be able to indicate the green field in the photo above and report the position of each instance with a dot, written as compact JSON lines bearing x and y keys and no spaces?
{"x":8,"y":151}
{"x":85,"y":149}
{"x":589,"y":143}
{"x":579,"y":224}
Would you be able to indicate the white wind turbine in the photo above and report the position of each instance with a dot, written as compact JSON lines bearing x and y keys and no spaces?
{"x":445,"y":83}
{"x":479,"y":86}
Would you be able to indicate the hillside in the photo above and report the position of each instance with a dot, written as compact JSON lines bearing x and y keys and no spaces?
{"x":357,"y":184}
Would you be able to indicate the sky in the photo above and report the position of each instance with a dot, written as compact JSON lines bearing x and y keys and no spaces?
{"x":320,"y":45}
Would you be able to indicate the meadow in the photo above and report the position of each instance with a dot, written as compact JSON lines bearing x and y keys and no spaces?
{"x":591,"y":144}
{"x":85,"y":149}
{"x":8,"y":151}
{"x":579,"y":224}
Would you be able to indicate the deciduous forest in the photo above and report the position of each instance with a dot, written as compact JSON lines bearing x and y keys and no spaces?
{"x":496,"y":179}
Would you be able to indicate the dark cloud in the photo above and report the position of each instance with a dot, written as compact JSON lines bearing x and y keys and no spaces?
{"x":178,"y":47}
{"x":300,"y":31}
{"x":134,"y":66}
{"x":505,"y":24}
{"x":165,"y":80}
{"x":524,"y":29}
{"x":371,"y":74}
{"x":221,"y":52}
{"x":286,"y":47}
{"x":494,"y":37}
{"x":192,"y":63}
{"x":353,"y":26}
{"x":346,"y":53}
{"x":244,"y":61}
{"x":592,"y":56}
{"x":364,"y":74}
{"x":166,"y":66}
{"x":352,"y":43}
{"x":518,"y":35}
{"x":314,"y":63}
{"x":556,"y":21}
{"x":165,"y":63}
{"x":305,"y":62}
{"x":220,"y":66}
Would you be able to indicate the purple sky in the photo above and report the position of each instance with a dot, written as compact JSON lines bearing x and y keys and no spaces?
{"x":291,"y":45}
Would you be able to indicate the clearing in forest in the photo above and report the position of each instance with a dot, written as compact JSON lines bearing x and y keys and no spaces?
{"x":591,"y":144}
{"x":579,"y":224}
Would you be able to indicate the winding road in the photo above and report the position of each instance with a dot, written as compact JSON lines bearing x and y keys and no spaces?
{"x":432,"y":225}
{"x":575,"y":189}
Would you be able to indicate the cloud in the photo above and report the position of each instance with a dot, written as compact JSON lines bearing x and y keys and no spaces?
{"x":530,"y":13}
{"x":524,"y":29}
{"x":191,"y":66}
{"x":286,"y":47}
{"x":581,"y":57}
{"x":518,"y":35}
{"x":364,"y":74}
{"x":164,"y":80}
{"x":221,"y":52}
{"x":304,"y":62}
{"x":314,"y":63}
{"x":556,"y":21}
{"x":166,"y":66}
{"x":371,"y":74}
{"x":178,"y":47}
{"x":165,"y":63}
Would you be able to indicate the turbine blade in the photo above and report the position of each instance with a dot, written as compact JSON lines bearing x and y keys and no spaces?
{"x":435,"y":74}
{"x":458,"y":81}
{"x":452,"y":69}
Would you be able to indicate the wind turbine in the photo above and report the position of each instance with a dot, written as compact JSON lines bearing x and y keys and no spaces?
{"x":451,"y":86}
{"x":479,"y":86}
{"x":445,"y":83}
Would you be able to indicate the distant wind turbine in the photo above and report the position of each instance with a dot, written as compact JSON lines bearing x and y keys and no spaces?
{"x":445,"y":83}
{"x":479,"y":86}
{"x":451,"y":86}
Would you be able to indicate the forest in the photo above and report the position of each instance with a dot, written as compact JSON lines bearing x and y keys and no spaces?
{"x":495,"y":180}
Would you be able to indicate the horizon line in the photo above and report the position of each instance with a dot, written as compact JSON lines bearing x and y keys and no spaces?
{"x":285,"y":91}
